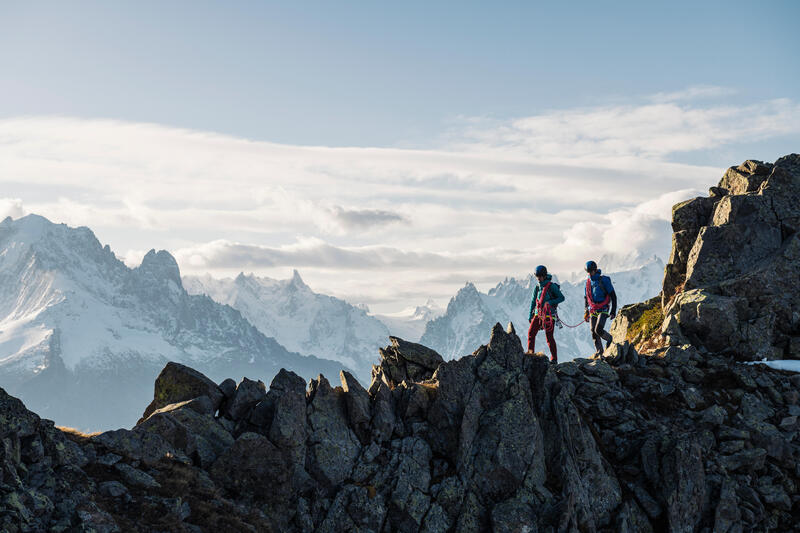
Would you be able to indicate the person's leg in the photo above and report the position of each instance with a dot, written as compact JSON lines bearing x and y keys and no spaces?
{"x":598,"y":344}
{"x":532,"y":331}
{"x":601,"y":332}
{"x":551,"y":342}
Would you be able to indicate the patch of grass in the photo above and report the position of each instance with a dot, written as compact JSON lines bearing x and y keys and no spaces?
{"x":647,"y":324}
{"x":76,"y":434}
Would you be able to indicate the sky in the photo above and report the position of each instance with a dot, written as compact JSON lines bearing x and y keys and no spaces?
{"x":389,"y":152}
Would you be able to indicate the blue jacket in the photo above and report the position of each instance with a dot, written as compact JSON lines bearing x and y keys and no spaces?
{"x":553,"y":296}
{"x":601,"y":287}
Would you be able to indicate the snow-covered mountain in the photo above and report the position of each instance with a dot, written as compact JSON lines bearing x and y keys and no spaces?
{"x":409,"y":324}
{"x":471,"y":314}
{"x":82,"y":336}
{"x":300,"y":319}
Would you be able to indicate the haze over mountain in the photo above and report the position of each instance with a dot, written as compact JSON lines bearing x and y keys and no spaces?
{"x":82,"y":336}
{"x":410,"y":323}
{"x":299,"y":318}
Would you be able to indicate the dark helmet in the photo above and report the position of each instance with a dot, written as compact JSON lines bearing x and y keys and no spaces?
{"x":541,"y":270}
{"x":591,"y":265}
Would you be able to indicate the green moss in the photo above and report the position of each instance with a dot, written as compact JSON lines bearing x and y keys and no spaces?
{"x":646,"y":325}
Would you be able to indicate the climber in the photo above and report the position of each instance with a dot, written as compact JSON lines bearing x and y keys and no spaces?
{"x":599,"y":293}
{"x":546,"y":297}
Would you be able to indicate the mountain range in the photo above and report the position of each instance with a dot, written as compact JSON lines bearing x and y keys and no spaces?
{"x":74,"y":319}
{"x":83,"y":336}
{"x":300,"y":319}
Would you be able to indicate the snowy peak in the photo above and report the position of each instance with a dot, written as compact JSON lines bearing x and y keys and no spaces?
{"x":160,"y":266}
{"x":297,"y":282}
{"x":300,"y":319}
{"x":71,"y":312}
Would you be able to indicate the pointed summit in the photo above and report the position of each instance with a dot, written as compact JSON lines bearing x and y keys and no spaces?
{"x":160,"y":265}
{"x":297,"y":281}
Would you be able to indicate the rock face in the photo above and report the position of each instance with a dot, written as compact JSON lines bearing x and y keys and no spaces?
{"x":731,"y":284}
{"x":654,"y":436}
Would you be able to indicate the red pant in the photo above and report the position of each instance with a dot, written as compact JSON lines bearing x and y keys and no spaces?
{"x":536,"y":325}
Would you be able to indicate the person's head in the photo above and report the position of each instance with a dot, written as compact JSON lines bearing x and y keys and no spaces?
{"x":540,"y":272}
{"x":591,"y":267}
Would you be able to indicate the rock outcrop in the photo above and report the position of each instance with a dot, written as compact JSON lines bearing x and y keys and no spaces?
{"x":731,"y":284}
{"x":669,"y":431}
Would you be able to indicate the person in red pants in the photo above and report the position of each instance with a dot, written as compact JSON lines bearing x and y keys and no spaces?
{"x":544,"y":302}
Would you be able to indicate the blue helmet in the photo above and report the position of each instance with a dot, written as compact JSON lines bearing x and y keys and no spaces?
{"x":590,"y":266}
{"x":541,"y":270}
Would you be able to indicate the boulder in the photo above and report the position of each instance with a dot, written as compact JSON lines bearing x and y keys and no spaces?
{"x":178,"y":383}
{"x":248,"y":394}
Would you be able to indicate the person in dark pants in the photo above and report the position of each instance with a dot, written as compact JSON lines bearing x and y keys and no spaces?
{"x":598,"y":298}
{"x":544,"y":301}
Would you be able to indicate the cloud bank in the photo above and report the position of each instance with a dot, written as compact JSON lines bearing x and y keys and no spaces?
{"x":388,"y":225}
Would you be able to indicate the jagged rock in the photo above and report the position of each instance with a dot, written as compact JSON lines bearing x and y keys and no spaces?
{"x":752,"y":459}
{"x":684,"y":482}
{"x":735,"y":282}
{"x":134,"y":476}
{"x":674,"y":433}
{"x":288,"y":426}
{"x":254,"y":468}
{"x":199,"y":436}
{"x":727,"y":518}
{"x":139,"y":445}
{"x":178,"y":383}
{"x":112,"y":489}
{"x":406,"y":361}
{"x":357,"y":403}
{"x":228,"y":388}
{"x":248,"y":394}
{"x":332,"y":445}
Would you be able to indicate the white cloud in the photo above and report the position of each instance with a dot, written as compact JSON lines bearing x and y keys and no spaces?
{"x":694,"y":93}
{"x":496,"y":199}
{"x":11,"y":207}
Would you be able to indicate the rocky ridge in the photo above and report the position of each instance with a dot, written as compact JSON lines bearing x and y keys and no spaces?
{"x":657,"y":435}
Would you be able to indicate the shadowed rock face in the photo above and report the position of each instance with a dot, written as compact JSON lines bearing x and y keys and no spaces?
{"x":677,"y":438}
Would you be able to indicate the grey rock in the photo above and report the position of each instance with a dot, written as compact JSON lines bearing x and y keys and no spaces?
{"x":248,"y":394}
{"x":714,"y":415}
{"x":357,"y":404}
{"x":112,"y":489}
{"x":288,"y":429}
{"x":251,"y":465}
{"x":752,"y":407}
{"x":752,"y":459}
{"x":178,"y":383}
{"x":684,"y":483}
{"x":228,"y":388}
{"x":109,"y":459}
{"x":139,"y":445}
{"x":135,"y":477}
{"x":727,"y":517}
{"x":332,"y":445}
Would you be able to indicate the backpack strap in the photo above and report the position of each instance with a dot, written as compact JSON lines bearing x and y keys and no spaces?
{"x":540,"y":301}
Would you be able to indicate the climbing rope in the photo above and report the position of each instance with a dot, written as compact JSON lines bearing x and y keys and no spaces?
{"x":543,"y":321}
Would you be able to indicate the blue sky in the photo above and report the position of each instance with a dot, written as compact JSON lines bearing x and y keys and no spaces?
{"x":378,"y":73}
{"x":390,"y":151}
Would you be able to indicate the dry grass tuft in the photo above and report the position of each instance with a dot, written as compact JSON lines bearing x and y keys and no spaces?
{"x":76,"y":434}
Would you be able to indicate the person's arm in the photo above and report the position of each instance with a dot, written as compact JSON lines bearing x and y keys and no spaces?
{"x":612,"y":294}
{"x":533,"y":303}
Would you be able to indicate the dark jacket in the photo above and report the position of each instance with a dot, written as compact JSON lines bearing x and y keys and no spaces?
{"x":553,"y":296}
